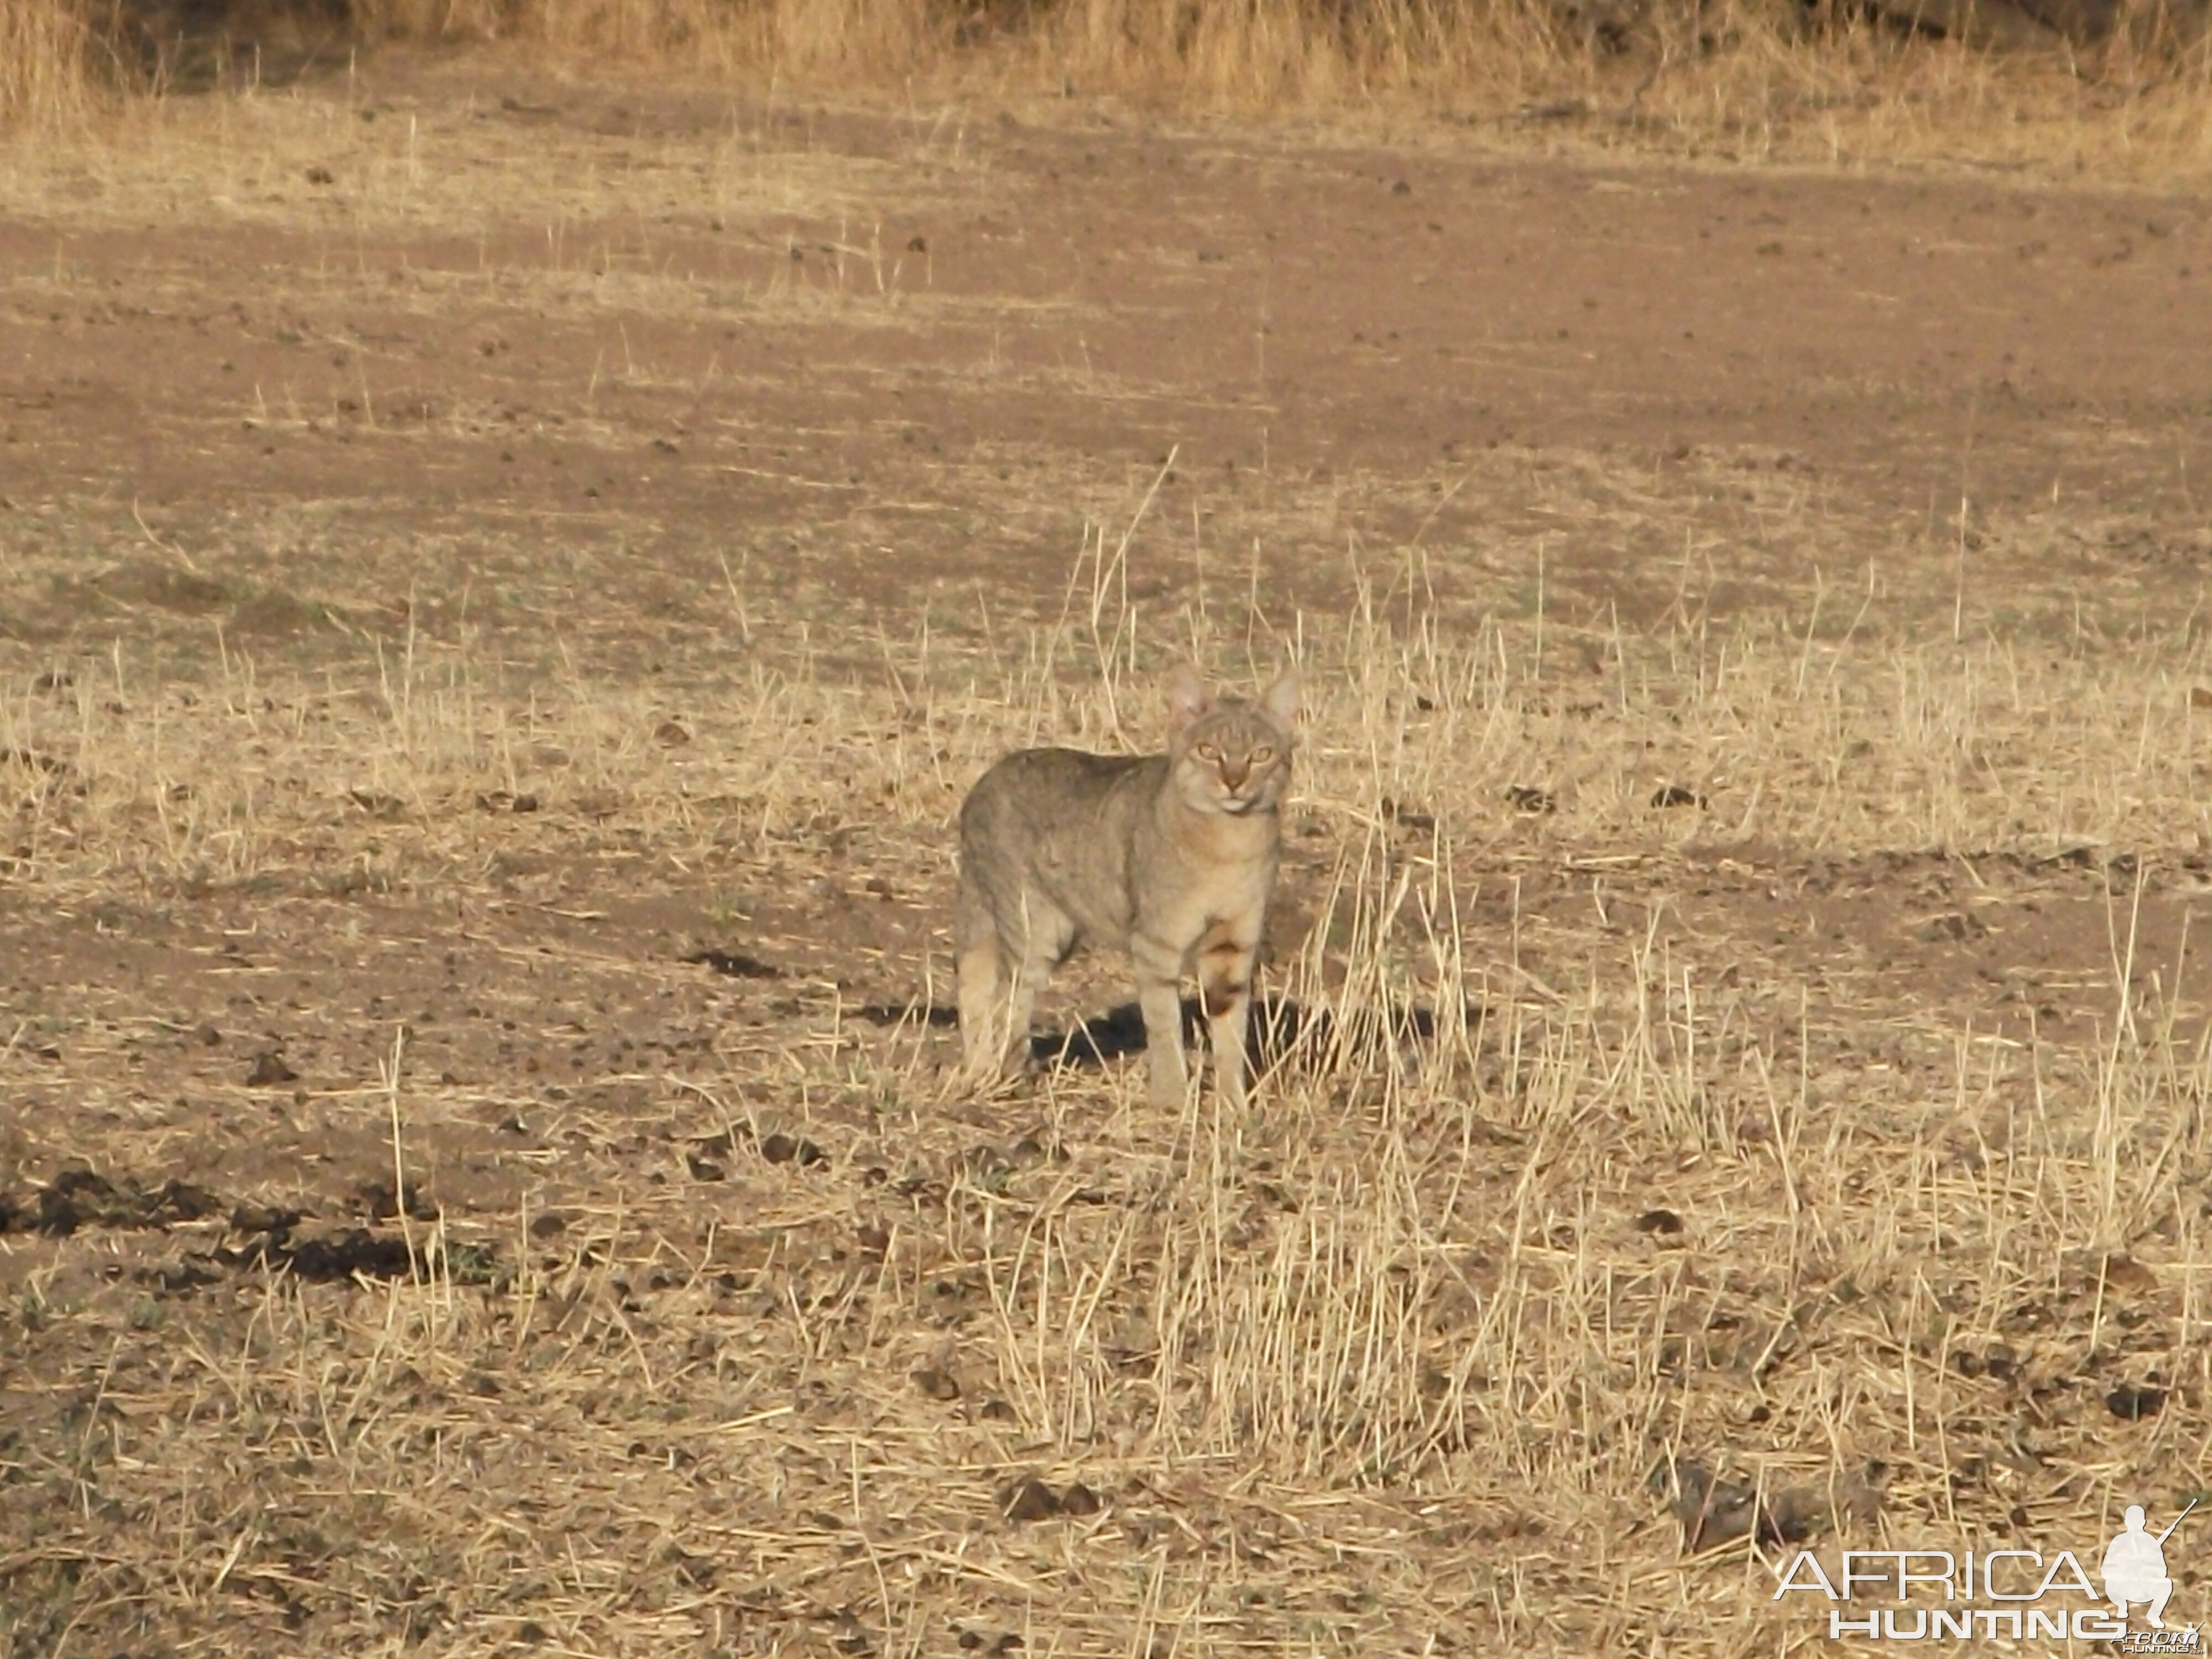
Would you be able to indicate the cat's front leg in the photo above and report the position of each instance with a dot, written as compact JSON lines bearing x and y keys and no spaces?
{"x":1224,"y":988}
{"x":1159,"y":994}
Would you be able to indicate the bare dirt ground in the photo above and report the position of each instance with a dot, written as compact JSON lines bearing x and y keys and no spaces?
{"x":503,"y":585}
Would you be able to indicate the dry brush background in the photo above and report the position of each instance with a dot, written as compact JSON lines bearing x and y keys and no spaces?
{"x":2120,"y":85}
{"x":480,"y":725}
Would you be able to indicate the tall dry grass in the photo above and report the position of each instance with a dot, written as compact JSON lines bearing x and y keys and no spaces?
{"x":1763,"y":79}
{"x":52,"y":54}
{"x":1633,"y":67}
{"x":851,"y":41}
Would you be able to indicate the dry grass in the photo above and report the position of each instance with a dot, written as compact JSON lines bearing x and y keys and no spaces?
{"x":1387,"y":1368}
{"x":246,"y":160}
{"x":50,"y":62}
{"x":1750,"y":83}
{"x":1805,"y":733}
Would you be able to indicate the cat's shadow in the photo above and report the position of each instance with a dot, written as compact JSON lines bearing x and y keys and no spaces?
{"x":1281,"y":1029}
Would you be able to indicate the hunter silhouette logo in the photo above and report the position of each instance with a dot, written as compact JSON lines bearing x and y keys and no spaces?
{"x":1937,"y":1594}
{"x":2135,"y":1566}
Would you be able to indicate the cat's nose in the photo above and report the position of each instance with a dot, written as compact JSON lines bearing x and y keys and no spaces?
{"x":1233,"y":776}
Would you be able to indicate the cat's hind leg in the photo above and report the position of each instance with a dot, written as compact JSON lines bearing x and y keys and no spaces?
{"x":980,"y":962}
{"x":1043,"y":936}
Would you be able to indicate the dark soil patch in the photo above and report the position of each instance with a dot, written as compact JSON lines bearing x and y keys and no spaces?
{"x":83,"y":1198}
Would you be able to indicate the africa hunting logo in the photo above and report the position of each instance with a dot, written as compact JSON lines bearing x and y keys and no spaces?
{"x":2017,"y":1593}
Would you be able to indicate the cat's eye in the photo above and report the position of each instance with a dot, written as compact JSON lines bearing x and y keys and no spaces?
{"x":1207,"y":751}
{"x":1263,"y":754}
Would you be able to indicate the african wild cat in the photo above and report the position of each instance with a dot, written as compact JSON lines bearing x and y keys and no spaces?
{"x":1169,"y":857}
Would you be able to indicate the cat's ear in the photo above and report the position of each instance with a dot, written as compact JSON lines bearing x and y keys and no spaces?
{"x":1280,"y":700}
{"x":1188,"y":697}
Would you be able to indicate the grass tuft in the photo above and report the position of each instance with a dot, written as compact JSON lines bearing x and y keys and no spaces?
{"x":53,"y":56}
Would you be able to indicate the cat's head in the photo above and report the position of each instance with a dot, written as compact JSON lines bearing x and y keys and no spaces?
{"x":1225,"y":755}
